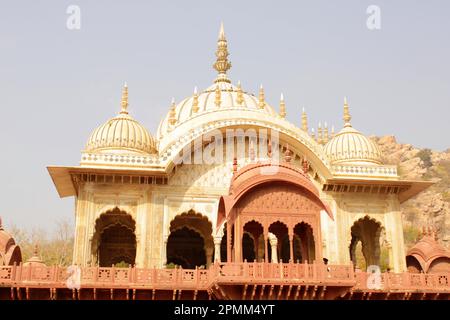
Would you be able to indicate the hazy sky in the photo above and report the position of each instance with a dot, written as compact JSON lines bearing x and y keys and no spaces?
{"x":57,"y":85}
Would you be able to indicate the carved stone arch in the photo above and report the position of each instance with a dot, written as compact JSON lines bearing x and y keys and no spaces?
{"x":114,"y":238}
{"x":255,"y":230}
{"x":110,"y":207}
{"x":183,"y":246}
{"x":184,"y":219}
{"x":367,"y":230}
{"x":173,"y":144}
{"x":413,"y":264}
{"x":361,"y":216}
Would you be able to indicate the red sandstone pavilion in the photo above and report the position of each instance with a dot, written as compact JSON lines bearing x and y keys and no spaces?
{"x":254,"y":226}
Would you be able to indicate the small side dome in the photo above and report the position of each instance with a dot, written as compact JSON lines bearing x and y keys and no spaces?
{"x":121,"y":134}
{"x":35,"y":260}
{"x":10,"y":253}
{"x":351,"y":146}
{"x":427,"y":255}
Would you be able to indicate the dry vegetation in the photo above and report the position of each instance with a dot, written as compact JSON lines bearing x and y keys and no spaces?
{"x":54,"y":249}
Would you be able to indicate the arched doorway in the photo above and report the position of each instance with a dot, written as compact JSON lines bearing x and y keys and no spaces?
{"x":367,"y":232}
{"x":413,"y":265}
{"x":252,"y":250}
{"x":282,"y":245}
{"x":276,"y":201}
{"x":190,"y":243}
{"x":304,"y":244}
{"x":114,"y":241}
{"x":185,"y":248}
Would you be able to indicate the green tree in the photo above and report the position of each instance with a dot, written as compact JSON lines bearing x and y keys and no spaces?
{"x":425,"y":156}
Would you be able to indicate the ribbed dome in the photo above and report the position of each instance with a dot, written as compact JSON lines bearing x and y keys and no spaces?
{"x":231,"y":96}
{"x":121,"y":134}
{"x":351,"y":146}
{"x":221,"y":95}
{"x":9,"y":252}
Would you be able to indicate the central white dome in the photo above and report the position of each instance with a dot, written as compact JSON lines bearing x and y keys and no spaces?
{"x":222,"y":95}
{"x":231,"y":96}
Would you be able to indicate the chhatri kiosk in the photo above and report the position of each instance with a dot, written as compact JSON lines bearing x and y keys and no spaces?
{"x":283,"y":214}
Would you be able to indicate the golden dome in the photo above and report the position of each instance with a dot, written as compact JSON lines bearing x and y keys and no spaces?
{"x":351,"y":146}
{"x":121,"y":134}
{"x":219,"y":96}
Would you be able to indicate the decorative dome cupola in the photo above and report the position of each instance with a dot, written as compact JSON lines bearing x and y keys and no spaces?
{"x":349,"y":146}
{"x":121,"y":134}
{"x":10,"y":252}
{"x":221,"y":95}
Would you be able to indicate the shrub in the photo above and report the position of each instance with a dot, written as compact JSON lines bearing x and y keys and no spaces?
{"x":411,"y":235}
{"x":425,"y":156}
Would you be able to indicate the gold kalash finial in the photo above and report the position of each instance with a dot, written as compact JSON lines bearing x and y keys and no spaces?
{"x":347,"y":117}
{"x":124,"y":102}
{"x":222,"y":65}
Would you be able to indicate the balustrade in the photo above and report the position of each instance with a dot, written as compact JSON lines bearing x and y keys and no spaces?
{"x":200,"y":279}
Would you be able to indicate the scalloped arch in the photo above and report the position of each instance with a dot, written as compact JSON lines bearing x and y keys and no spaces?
{"x":298,"y":140}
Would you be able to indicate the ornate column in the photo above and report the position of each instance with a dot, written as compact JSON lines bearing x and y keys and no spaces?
{"x":291,"y":246}
{"x":237,"y":241}
{"x":266,"y":251}
{"x":228,"y":242}
{"x":164,"y":251}
{"x":217,"y":243}
{"x":273,"y":244}
{"x":209,"y":254}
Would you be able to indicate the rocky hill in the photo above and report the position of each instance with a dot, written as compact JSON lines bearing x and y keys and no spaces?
{"x":432,"y":206}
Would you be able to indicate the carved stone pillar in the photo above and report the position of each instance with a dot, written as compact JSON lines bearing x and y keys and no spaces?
{"x":229,"y":253}
{"x":164,"y":251}
{"x":273,"y":244}
{"x":217,"y":243}
{"x":291,"y":246}
{"x":209,"y":254}
{"x":266,"y":250}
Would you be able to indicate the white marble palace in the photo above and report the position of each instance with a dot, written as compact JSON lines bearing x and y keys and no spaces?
{"x":154,"y":200}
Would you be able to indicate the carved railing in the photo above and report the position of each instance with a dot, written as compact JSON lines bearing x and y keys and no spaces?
{"x":402,"y":281}
{"x":106,"y":277}
{"x":286,"y":272}
{"x":365,"y":170}
{"x":201,"y":279}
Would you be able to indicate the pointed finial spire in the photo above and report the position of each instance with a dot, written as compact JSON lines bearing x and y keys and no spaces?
{"x":325,"y":133}
{"x":262,"y":102}
{"x":222,"y":65}
{"x":282,"y":107}
{"x":124,"y":102}
{"x":347,"y":116}
{"x":240,"y":94}
{"x":304,"y":120}
{"x":195,"y":101}
{"x":172,"y":113}
{"x":218,"y":98}
{"x":319,"y":134}
{"x":313,"y":135}
{"x":332,"y":131}
{"x":36,"y":250}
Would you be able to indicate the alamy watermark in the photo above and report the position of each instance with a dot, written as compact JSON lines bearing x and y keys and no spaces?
{"x":74,"y":279}
{"x":218,"y":147}
{"x":373,"y":21}
{"x":73,"y":21}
